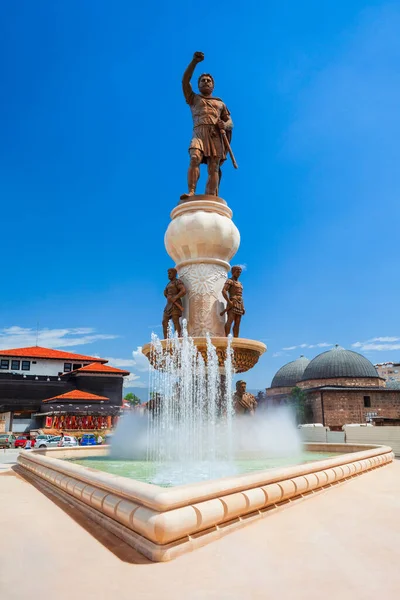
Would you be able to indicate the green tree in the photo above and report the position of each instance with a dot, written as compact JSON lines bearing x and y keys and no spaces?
{"x":297,"y":400}
{"x":260,"y":396}
{"x":132,"y":399}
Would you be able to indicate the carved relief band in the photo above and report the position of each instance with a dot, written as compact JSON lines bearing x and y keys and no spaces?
{"x":204,"y":283}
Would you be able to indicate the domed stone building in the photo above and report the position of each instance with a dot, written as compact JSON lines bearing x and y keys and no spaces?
{"x":286,"y":379}
{"x":340,"y":367}
{"x":341,"y":387}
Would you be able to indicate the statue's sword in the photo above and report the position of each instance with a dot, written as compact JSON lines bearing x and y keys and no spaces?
{"x":228,"y":307}
{"x":177,"y":305}
{"x":227,"y":145}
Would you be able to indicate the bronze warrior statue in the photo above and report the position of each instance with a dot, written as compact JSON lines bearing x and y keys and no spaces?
{"x":233,"y":294}
{"x":244,"y":403}
{"x":174,"y":291}
{"x":212,"y":126}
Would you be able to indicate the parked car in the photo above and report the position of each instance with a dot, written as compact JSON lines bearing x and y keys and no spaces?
{"x":7,"y":440}
{"x":89,"y":439}
{"x":55,"y":441}
{"x":51,"y":442}
{"x":21,"y":440}
{"x":42,"y":437}
{"x":68,"y":440}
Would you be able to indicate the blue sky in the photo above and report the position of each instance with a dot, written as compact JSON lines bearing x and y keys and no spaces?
{"x":93,"y":156}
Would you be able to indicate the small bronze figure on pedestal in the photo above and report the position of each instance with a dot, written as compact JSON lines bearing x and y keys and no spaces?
{"x":212,"y":127}
{"x":233,"y":294}
{"x":174,"y":291}
{"x":244,"y":403}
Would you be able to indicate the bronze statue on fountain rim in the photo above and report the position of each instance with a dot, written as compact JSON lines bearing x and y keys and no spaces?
{"x":212,"y":126}
{"x":233,"y":294}
{"x":244,"y":403}
{"x":174,"y":291}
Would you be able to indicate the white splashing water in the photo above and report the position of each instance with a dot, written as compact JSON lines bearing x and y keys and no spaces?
{"x":192,"y":433}
{"x":191,"y":424}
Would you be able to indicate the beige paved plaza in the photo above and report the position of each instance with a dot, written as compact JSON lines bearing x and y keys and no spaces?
{"x":343,"y":543}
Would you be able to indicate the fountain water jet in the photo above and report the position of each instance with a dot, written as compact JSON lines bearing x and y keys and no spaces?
{"x":191,"y":410}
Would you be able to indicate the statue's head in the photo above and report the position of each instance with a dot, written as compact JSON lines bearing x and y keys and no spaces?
{"x":172,"y":273}
{"x":206,"y":84}
{"x":236,"y":271}
{"x":240,"y":386}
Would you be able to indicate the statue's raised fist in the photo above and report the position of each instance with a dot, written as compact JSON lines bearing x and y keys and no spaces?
{"x":198,"y":56}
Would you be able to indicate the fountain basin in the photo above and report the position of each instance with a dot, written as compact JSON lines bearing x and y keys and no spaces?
{"x":246,"y":352}
{"x":163,"y":523}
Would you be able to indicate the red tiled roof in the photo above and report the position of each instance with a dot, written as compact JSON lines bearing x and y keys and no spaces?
{"x":49,"y":353}
{"x":98,"y":368}
{"x":77,"y":395}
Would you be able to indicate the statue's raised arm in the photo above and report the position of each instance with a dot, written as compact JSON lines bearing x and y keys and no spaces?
{"x":188,"y":74}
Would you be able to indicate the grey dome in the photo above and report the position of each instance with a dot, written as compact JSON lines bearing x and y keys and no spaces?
{"x":393,"y":384}
{"x":339,"y":362}
{"x":291,"y":373}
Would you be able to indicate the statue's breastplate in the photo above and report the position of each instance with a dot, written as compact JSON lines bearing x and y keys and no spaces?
{"x":172,"y":289}
{"x":206,"y":111}
{"x":236,"y":289}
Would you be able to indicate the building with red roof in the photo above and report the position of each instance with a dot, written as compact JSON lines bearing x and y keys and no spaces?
{"x":99,"y":369}
{"x":77,"y":396}
{"x":43,"y":388}
{"x":49,"y":354}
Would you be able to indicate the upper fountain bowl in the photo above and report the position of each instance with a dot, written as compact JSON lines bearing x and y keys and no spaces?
{"x":245,"y":352}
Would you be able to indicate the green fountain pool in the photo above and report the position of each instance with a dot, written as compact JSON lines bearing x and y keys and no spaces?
{"x":172,"y":474}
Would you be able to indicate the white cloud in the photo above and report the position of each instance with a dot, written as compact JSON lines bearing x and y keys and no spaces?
{"x":133,"y":381}
{"x":120,"y":362}
{"x":319,"y":345}
{"x":139,"y":367}
{"x":381,"y":347}
{"x":385,"y":339}
{"x":379,"y":344}
{"x":141,"y":363}
{"x":18,"y":337}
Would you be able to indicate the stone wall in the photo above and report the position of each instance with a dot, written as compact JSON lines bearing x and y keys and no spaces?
{"x":314,"y":408}
{"x":375,"y":435}
{"x":278,"y":391}
{"x":341,"y":407}
{"x":343,"y":381}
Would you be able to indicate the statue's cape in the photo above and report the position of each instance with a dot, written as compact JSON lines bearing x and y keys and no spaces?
{"x":228,"y":131}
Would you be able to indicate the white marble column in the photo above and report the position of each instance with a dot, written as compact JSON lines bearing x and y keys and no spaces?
{"x":201,"y":239}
